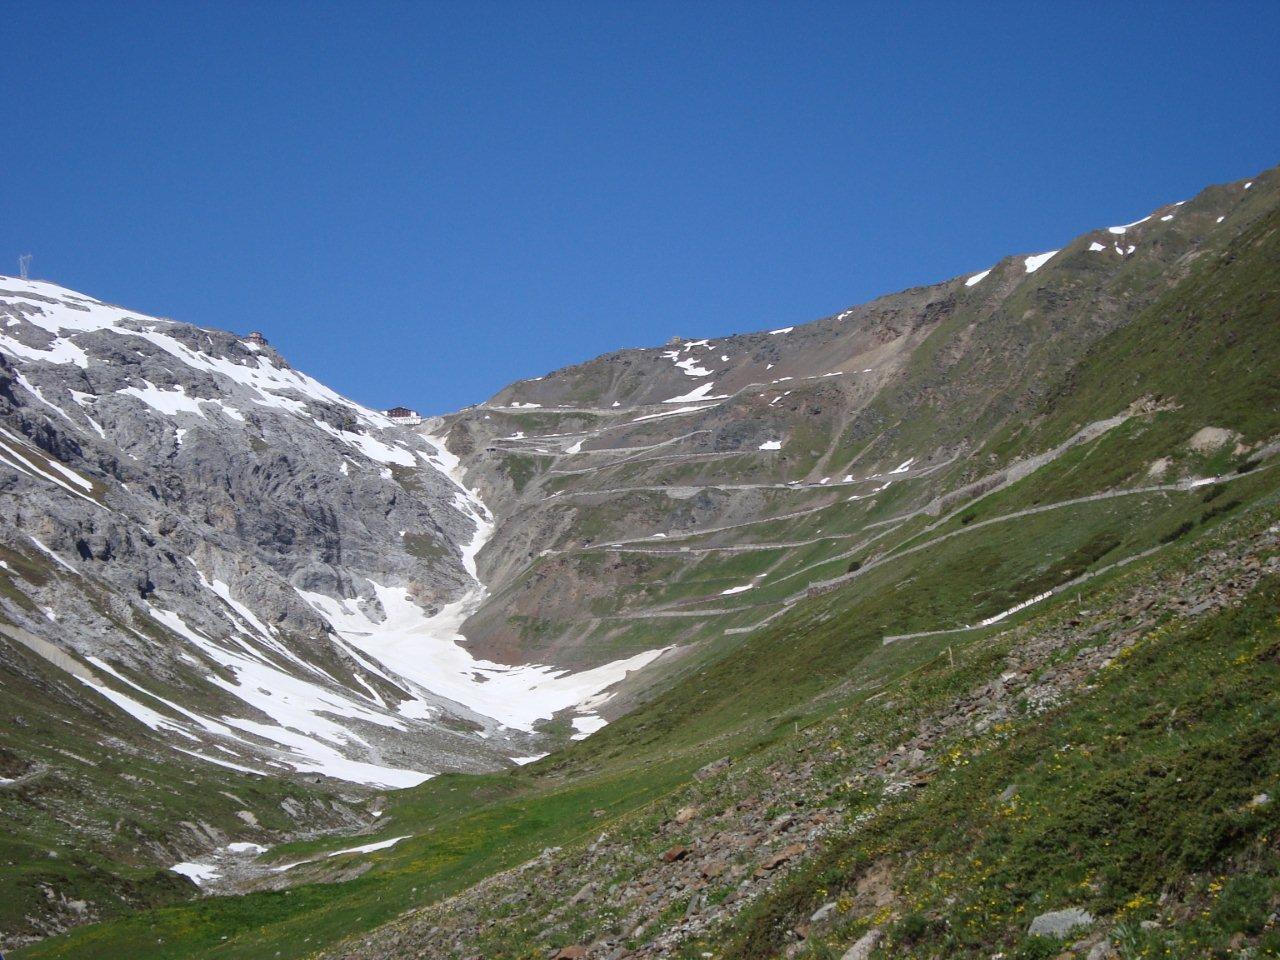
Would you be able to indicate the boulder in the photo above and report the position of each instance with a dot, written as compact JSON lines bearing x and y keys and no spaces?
{"x":711,"y":769}
{"x":823,"y":912}
{"x":782,"y":856}
{"x":866,"y":943}
{"x":678,"y":852}
{"x":1059,"y":923}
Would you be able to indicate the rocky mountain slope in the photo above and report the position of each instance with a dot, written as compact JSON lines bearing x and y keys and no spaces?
{"x":739,"y":860}
{"x":818,"y":577}
{"x":687,"y":493}
{"x":227,"y":534}
{"x":212,"y":563}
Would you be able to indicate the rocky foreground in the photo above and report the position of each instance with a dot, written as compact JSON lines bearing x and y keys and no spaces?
{"x":684,"y":873}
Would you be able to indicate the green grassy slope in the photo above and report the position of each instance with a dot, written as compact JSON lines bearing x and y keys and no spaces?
{"x":89,"y":814}
{"x":1134,"y":801}
{"x":1208,"y":351}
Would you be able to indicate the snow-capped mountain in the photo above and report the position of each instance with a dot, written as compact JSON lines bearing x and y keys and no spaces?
{"x":260,"y":572}
{"x":234,"y":604}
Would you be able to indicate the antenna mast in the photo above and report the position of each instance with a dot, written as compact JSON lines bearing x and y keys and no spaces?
{"x":24,"y":262}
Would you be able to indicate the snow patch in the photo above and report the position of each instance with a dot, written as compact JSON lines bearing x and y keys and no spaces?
{"x":698,"y":393}
{"x":426,"y":650}
{"x":1125,"y":226}
{"x":363,"y":848}
{"x":904,"y":466}
{"x":587,"y":725}
{"x":1034,"y":263}
{"x":197,"y":873}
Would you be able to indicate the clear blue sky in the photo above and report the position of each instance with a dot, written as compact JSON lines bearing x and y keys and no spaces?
{"x":419,"y":203}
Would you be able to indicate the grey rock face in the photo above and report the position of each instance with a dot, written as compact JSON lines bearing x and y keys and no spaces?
{"x":212,"y":531}
{"x":620,"y":483}
{"x":1060,"y":923}
{"x":865,"y":945}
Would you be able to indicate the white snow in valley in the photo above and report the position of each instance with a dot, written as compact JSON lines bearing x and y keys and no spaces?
{"x":368,"y":847}
{"x":465,"y":500}
{"x":772,"y":444}
{"x":732,"y":590}
{"x":140,"y":712}
{"x":521,"y":761}
{"x":301,"y":713}
{"x":586,"y":725}
{"x":427,"y":651}
{"x":198,"y":873}
{"x":218,"y":761}
{"x":363,"y":848}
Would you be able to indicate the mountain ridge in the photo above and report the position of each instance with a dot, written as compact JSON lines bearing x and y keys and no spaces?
{"x":898,"y":352}
{"x":577,"y":550}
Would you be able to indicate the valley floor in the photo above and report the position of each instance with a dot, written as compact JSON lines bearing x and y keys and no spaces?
{"x":1114,"y":761}
{"x":1113,"y":755}
{"x":1012,"y":693}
